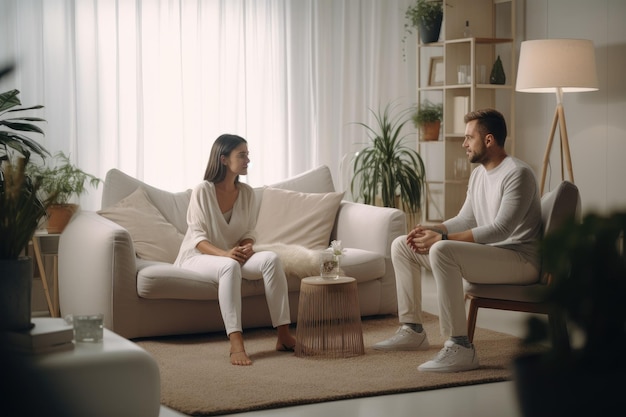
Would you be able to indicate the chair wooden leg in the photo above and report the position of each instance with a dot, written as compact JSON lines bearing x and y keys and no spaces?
{"x":471,"y":319}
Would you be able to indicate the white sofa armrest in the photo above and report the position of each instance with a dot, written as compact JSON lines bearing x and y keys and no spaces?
{"x":96,"y":263}
{"x":368,"y":227}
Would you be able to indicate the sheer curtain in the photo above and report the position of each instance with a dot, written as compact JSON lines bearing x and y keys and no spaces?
{"x":147,"y":85}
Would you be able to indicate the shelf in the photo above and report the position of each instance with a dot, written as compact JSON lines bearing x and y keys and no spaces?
{"x":481,"y":41}
{"x":467,"y":86}
{"x":495,"y":86}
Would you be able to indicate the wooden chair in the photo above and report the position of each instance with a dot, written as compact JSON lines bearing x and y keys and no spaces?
{"x":556,"y":207}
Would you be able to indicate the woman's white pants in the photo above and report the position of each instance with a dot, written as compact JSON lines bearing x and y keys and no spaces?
{"x":228,"y":273}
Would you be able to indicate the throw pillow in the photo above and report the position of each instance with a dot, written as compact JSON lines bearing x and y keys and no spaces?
{"x":296,"y":218}
{"x":154,"y":238}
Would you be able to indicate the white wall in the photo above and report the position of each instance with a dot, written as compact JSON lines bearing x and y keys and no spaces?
{"x":596,"y":121}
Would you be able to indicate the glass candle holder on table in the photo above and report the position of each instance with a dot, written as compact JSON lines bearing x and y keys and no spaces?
{"x":87,"y":327}
{"x":329,"y":265}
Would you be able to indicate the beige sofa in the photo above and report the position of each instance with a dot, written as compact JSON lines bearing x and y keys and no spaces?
{"x":102,"y":265}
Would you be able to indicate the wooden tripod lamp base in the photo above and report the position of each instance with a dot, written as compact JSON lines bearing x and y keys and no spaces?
{"x":566,"y":159}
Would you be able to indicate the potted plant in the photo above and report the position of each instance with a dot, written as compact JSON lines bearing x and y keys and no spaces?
{"x":426,"y":16}
{"x":62,"y":180}
{"x":388,"y":169}
{"x":428,"y":118}
{"x":21,"y":210}
{"x":582,"y":371}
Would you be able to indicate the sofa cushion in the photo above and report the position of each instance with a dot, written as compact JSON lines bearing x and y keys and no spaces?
{"x":297,"y":218}
{"x":163,"y":281}
{"x":158,"y":280}
{"x":316,"y":180}
{"x":173,"y":206}
{"x":154,"y":238}
{"x":362,"y":265}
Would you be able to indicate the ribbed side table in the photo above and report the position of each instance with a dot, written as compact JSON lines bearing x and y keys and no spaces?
{"x":329,"y":319}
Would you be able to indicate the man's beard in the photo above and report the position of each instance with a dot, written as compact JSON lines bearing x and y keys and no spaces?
{"x":477,"y":157}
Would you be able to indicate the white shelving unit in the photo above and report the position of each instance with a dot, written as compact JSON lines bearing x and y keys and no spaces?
{"x":492,"y":27}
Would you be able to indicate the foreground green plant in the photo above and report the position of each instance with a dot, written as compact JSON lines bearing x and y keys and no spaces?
{"x":20,"y":208}
{"x":587,"y":262}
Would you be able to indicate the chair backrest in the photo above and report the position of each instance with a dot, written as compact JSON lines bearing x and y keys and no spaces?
{"x":557,"y":206}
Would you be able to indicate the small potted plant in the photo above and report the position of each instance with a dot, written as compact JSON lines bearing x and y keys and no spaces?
{"x":426,"y":16}
{"x":61,"y":181}
{"x":582,"y":371}
{"x":428,"y":118}
{"x":21,"y":210}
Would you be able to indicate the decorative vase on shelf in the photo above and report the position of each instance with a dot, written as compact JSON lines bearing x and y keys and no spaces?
{"x":497,"y":73}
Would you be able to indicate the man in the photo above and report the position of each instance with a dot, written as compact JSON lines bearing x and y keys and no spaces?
{"x":493,"y":237}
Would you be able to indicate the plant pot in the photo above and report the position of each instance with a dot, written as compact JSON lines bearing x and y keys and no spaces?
{"x":429,"y":32}
{"x":59,"y":215}
{"x":430,"y":130}
{"x":16,"y":283}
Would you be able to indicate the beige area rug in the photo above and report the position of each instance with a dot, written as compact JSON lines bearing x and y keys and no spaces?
{"x":197,"y":378}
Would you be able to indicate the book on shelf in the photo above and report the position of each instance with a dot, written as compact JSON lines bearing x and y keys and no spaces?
{"x":461,"y":108}
{"x":47,"y":335}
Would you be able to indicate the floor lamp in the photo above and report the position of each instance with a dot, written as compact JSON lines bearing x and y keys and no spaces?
{"x":557,"y":66}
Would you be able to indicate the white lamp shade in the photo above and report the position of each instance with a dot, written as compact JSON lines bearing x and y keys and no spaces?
{"x":548,"y":64}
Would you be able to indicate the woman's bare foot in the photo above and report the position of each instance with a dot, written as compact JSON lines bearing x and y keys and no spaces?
{"x":240,"y":358}
{"x":238,"y":355}
{"x":286,"y":342}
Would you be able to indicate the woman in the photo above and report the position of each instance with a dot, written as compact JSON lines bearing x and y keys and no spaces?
{"x":219,"y":244}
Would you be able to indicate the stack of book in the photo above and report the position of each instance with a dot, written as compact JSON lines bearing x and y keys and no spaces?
{"x":47,"y":335}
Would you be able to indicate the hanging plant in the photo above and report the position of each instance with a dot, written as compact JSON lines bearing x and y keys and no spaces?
{"x":425,"y":16}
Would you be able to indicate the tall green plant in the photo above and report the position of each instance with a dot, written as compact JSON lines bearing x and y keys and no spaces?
{"x":387,"y":168}
{"x":20,"y":208}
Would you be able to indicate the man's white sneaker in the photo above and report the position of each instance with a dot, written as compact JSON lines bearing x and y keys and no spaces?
{"x":452,"y":358}
{"x":404,"y":339}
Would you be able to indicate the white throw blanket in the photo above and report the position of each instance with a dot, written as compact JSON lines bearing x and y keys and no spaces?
{"x":297,"y":260}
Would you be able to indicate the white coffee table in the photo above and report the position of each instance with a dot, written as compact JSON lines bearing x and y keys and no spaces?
{"x":112,"y":378}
